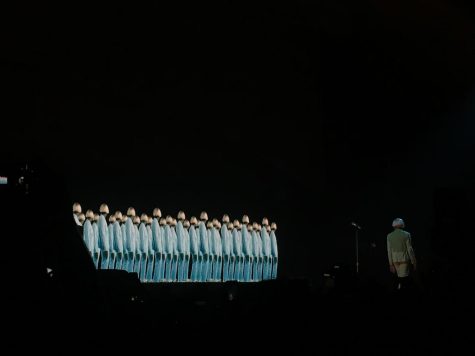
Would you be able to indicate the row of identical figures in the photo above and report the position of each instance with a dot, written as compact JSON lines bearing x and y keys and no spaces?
{"x":177,"y":250}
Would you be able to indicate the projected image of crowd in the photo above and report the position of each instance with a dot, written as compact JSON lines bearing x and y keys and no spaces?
{"x":162,"y":249}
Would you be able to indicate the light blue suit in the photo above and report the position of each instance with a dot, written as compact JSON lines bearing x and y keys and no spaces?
{"x":157,"y":246}
{"x":143,"y":251}
{"x":180,"y":238}
{"x":175,"y":254}
{"x":212,"y":254}
{"x":125,"y":261}
{"x":196,"y":255}
{"x":104,"y":242}
{"x":187,"y":255}
{"x":232,"y":261}
{"x":226,"y":239}
{"x":118,"y":245}
{"x":266,"y":250}
{"x":88,"y":237}
{"x":218,"y":250}
{"x":97,"y":250}
{"x":247,"y":249}
{"x":150,"y":256}
{"x":205,"y":251}
{"x":112,"y":251}
{"x":239,"y":256}
{"x":168,"y":247}
{"x":129,"y":239}
{"x":275,"y":254}
{"x":261,"y":256}
{"x":138,"y":252}
{"x":164,"y":249}
{"x":257,"y":256}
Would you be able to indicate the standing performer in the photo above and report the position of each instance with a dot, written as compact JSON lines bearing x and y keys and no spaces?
{"x":113,"y":253}
{"x":175,"y":250}
{"x":186,"y":267}
{"x":226,"y":240}
{"x":274,"y":250}
{"x":226,"y":247}
{"x":130,"y":243}
{"x":218,"y":248}
{"x":138,"y":251}
{"x":150,"y":252}
{"x":401,"y":254}
{"x":212,"y":252}
{"x":196,"y":255}
{"x":266,"y":250}
{"x":180,"y":234}
{"x":118,"y":241}
{"x":237,"y":247}
{"x":247,"y":249}
{"x":256,"y":252}
{"x":104,"y":236}
{"x":97,"y":250}
{"x":204,"y":247}
{"x":169,"y":249}
{"x":157,"y":245}
{"x":88,"y":232}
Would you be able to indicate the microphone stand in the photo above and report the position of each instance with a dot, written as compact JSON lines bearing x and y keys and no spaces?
{"x":357,"y":228}
{"x":357,"y":252}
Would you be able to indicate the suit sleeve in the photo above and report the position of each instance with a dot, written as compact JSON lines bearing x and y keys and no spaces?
{"x":390,"y":256}
{"x":103,"y":235}
{"x":410,"y":250}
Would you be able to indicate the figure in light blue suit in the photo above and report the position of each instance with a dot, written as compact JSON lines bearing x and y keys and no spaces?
{"x":130,"y":241}
{"x":157,"y":246}
{"x":196,"y":255}
{"x":261,"y":253}
{"x":124,"y":243}
{"x":151,"y":252}
{"x":118,"y":241}
{"x":163,"y":225}
{"x":204,"y":247}
{"x":113,"y":253}
{"x":257,"y":253}
{"x":138,"y":251}
{"x":237,"y":249}
{"x":169,"y":249}
{"x":186,"y":267}
{"x":142,"y":248}
{"x":247,"y":250}
{"x":218,"y":248}
{"x":97,"y":250}
{"x":226,"y":240}
{"x":175,"y":251}
{"x":88,"y":233}
{"x":180,"y":238}
{"x":144,"y":241}
{"x":232,"y":258}
{"x":104,"y":236}
{"x":266,"y":251}
{"x":212,"y":251}
{"x":274,"y":250}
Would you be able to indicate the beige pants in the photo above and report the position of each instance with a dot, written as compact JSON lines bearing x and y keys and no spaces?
{"x":402,"y":268}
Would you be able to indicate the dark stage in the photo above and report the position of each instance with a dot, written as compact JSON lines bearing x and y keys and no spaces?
{"x":314,"y":114}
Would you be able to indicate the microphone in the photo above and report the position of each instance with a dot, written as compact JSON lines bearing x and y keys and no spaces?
{"x":356,"y":225}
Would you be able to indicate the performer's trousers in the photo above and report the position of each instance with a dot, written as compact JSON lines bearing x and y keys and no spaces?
{"x":275,"y":261}
{"x":158,"y":267}
{"x":150,"y":265}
